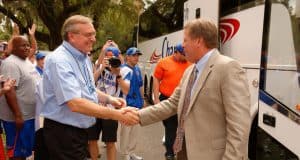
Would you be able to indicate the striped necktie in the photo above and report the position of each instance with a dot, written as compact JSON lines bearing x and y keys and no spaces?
{"x":180,"y":130}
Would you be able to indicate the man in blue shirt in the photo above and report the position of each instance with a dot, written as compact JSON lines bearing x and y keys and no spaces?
{"x":132,"y":88}
{"x":71,"y":99}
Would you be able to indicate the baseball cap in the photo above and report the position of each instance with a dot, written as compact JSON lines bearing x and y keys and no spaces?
{"x":179,"y":48}
{"x":114,"y":50}
{"x":40,"y":55}
{"x":132,"y":51}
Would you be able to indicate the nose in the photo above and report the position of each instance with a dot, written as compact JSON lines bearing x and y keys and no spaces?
{"x":27,"y":47}
{"x":93,"y":38}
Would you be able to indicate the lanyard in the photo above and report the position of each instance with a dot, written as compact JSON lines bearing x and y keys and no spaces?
{"x":86,"y":76}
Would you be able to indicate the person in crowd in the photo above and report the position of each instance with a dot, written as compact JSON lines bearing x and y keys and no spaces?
{"x":131,"y":83}
{"x":212,"y":100}
{"x":40,"y":61}
{"x":108,"y":43}
{"x":40,"y":151}
{"x":18,"y":105}
{"x":71,"y":98}
{"x":3,"y":49}
{"x":167,"y":75}
{"x":32,"y":40}
{"x":6,"y":85}
{"x":106,"y":80}
{"x":7,"y":46}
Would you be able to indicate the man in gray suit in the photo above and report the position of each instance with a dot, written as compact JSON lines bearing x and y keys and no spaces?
{"x":212,"y":101}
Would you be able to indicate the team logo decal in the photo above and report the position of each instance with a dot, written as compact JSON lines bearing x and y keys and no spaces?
{"x":228,"y":28}
{"x":154,"y":57}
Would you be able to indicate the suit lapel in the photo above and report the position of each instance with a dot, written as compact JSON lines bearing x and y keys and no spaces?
{"x":200,"y":82}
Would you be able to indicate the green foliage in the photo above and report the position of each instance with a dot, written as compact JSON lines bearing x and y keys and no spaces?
{"x":162,"y":17}
{"x":118,"y":22}
{"x":110,"y":19}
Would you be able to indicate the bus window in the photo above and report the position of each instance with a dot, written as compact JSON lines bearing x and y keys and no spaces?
{"x":230,"y":6}
{"x":282,"y":69}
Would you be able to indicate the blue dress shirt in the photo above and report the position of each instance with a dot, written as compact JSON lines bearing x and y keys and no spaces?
{"x":67,"y":75}
{"x":200,"y":66}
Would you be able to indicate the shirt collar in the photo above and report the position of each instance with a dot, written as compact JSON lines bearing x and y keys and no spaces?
{"x":73,"y":51}
{"x":201,"y":63}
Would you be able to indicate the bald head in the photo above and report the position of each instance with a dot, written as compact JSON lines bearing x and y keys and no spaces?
{"x":20,"y":46}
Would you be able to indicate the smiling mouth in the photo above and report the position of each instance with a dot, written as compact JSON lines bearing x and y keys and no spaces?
{"x":27,"y":53}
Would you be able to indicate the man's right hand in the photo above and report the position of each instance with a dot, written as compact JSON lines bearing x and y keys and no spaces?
{"x":32,"y":30}
{"x":105,"y":63}
{"x":107,"y":44}
{"x":130,"y":116}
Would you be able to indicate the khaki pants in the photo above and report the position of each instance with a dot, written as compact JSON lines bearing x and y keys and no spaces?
{"x":127,"y":138}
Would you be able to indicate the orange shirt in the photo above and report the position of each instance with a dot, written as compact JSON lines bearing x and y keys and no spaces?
{"x":169,"y":72}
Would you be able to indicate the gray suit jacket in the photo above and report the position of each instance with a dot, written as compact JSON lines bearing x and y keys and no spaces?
{"x":218,"y":118}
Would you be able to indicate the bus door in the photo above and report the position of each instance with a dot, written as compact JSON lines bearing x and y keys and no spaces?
{"x":279,"y":89}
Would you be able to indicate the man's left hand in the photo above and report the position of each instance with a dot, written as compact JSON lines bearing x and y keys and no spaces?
{"x":117,"y":102}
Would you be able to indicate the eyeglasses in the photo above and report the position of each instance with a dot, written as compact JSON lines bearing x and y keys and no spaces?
{"x":87,"y":35}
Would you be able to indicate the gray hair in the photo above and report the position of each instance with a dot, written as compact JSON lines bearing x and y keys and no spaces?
{"x":70,"y":24}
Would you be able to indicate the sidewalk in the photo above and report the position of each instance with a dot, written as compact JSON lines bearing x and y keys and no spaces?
{"x":149,"y":145}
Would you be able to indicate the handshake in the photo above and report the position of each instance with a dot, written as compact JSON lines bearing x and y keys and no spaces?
{"x":126,"y":115}
{"x":129,"y":116}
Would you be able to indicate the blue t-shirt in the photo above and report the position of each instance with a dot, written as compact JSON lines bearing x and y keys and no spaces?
{"x":134,"y":77}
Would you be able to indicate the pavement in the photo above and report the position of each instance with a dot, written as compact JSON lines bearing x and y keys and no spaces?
{"x":149,"y":145}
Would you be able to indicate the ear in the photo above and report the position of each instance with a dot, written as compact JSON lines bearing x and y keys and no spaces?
{"x":70,"y":36}
{"x":199,"y":42}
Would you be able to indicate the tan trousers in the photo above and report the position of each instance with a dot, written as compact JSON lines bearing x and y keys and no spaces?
{"x":127,"y":138}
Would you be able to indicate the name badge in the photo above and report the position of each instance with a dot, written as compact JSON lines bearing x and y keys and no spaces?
{"x":91,"y":89}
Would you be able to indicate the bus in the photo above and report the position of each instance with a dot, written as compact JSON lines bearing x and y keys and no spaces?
{"x":264,"y":36}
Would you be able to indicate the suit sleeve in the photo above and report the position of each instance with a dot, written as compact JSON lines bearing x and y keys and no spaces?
{"x":236,"y":100}
{"x":164,"y":109}
{"x":160,"y":111}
